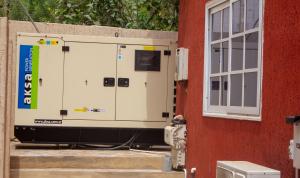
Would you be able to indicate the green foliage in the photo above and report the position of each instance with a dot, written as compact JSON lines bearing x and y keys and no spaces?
{"x":40,"y":10}
{"x":76,"y":12}
{"x":142,"y":14}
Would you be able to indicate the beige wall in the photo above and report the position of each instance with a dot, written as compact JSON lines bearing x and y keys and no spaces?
{"x":17,"y":26}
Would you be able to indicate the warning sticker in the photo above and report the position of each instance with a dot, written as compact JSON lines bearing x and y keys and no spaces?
{"x":149,"y":48}
{"x":85,"y":109}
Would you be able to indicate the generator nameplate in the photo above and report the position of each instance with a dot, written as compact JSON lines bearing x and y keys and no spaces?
{"x":47,"y":121}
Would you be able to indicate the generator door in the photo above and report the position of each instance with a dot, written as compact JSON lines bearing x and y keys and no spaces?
{"x":89,"y":81}
{"x":39,"y":80}
{"x":142,"y":83}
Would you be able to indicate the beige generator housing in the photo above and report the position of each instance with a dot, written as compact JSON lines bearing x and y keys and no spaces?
{"x":92,"y":89}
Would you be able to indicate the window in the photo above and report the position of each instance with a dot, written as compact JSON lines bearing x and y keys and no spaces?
{"x":233,"y":59}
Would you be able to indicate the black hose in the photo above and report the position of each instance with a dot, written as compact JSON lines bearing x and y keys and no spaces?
{"x":115,"y":147}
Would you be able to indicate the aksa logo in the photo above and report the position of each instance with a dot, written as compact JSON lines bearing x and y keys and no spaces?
{"x":27,"y":90}
{"x":28,"y":77}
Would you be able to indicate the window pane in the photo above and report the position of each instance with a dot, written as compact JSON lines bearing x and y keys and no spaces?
{"x":225,"y":56}
{"x":238,"y":17}
{"x":236,"y":90}
{"x":215,"y":58}
{"x":225,"y":26}
{"x":250,"y":89}
{"x":214,"y":90}
{"x":216,"y":26}
{"x":237,"y":53}
{"x":252,"y":14}
{"x":251,"y":57}
{"x":224,"y":81}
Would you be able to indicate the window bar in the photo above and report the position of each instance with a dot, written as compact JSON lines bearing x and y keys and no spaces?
{"x":245,"y":14}
{"x":219,"y":41}
{"x":221,"y":60}
{"x":244,"y":54}
{"x":243,"y":73}
{"x":229,"y":56}
{"x":209,"y":61}
{"x":259,"y":57}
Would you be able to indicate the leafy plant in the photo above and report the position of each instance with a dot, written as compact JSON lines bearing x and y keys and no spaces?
{"x":142,"y":14}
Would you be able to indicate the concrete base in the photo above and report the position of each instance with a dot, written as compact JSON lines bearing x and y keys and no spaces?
{"x":48,"y":162}
{"x":92,"y":173}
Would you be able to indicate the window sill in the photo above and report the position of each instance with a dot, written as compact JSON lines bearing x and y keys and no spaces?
{"x":231,"y":116}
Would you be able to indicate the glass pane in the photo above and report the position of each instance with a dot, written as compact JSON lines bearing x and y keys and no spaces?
{"x":237,"y":53}
{"x":224,"y":81}
{"x":214,"y":90}
{"x":252,"y":14}
{"x":250,"y":89}
{"x":251,"y":57}
{"x":238,"y":17}
{"x":215,"y":58}
{"x":236,"y":90}
{"x":216,"y":26}
{"x":225,"y":56}
{"x":225,"y":26}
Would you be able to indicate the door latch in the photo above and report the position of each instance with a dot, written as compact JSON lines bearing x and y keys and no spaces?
{"x":109,"y":82}
{"x":123,"y":82}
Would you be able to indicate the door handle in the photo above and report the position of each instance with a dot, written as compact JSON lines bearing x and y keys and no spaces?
{"x":40,"y":81}
{"x":109,"y":82}
{"x":123,"y":82}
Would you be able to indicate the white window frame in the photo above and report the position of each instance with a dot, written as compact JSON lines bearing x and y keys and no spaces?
{"x":231,"y":112}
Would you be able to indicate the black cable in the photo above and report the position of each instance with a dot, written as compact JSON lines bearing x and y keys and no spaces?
{"x":28,"y":15}
{"x":115,"y":147}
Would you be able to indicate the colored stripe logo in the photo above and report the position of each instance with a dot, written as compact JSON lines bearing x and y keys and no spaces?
{"x":47,"y":42}
{"x":28,"y":77}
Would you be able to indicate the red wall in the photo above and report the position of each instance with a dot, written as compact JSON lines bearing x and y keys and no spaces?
{"x":265,"y":142}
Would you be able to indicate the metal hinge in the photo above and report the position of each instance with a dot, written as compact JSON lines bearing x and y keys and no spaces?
{"x":63,"y":112}
{"x":167,"y":52}
{"x":165,"y":115}
{"x":65,"y":48}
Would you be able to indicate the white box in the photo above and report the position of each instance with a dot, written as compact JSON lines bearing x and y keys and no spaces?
{"x":244,"y":169}
{"x":182,"y":55}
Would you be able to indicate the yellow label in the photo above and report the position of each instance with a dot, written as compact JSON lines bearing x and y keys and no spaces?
{"x":149,"y":48}
{"x":84,"y":109}
{"x":54,"y":42}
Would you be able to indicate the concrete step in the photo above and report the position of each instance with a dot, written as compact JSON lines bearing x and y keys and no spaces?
{"x":93,"y":173}
{"x":88,"y":159}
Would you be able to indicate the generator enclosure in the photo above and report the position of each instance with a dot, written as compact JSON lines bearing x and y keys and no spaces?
{"x":92,"y":89}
